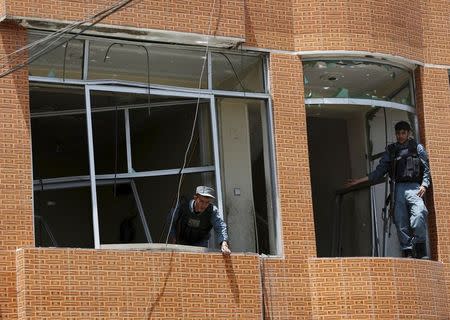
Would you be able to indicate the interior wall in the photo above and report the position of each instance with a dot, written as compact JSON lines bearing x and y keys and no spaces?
{"x":329,"y":165}
{"x":358,"y":219}
{"x":236,"y":165}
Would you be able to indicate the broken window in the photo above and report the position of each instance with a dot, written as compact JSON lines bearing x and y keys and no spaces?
{"x":156,"y":64}
{"x":107,"y":157}
{"x":352,"y":106}
{"x":237,"y":72}
{"x":64,"y":61}
{"x":357,"y":79}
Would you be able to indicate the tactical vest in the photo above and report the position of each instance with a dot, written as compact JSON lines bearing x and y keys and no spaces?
{"x":406,"y":165}
{"x":193,"y":227}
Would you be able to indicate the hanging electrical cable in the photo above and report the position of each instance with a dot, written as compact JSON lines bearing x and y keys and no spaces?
{"x":116,"y":107}
{"x":51,"y":42}
{"x":234,"y":70}
{"x":148,"y":63}
{"x":64,"y":61}
{"x":163,"y":230}
{"x":180,"y":179}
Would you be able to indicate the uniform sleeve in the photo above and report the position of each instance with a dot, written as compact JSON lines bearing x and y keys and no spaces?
{"x":426,"y":180}
{"x":382,"y":167}
{"x":220,"y":227}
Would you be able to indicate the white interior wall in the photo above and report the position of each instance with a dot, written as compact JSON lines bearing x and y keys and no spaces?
{"x":239,"y":210}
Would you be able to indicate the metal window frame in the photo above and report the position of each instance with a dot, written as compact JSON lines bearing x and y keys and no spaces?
{"x":165,"y":90}
{"x":361,"y":102}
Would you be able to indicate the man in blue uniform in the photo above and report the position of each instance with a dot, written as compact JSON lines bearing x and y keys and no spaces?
{"x":406,"y":162}
{"x":194,"y":220}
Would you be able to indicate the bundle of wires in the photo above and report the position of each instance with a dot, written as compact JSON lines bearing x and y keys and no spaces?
{"x":29,"y":53}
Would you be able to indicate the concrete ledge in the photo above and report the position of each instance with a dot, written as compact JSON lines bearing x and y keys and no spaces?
{"x":131,"y":33}
{"x":155,"y":247}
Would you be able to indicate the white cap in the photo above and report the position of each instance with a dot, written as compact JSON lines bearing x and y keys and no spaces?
{"x":205,"y":191}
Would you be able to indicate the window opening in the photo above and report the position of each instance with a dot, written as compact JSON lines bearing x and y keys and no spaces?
{"x":136,"y":144}
{"x":358,"y":102}
{"x":349,"y":222}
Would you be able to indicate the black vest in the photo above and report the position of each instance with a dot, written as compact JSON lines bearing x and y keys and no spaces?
{"x":193,"y":227}
{"x":406,"y":165}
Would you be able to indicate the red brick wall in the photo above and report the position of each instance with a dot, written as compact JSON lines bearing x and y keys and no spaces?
{"x":185,"y":16}
{"x":8,"y":294}
{"x":365,"y":288}
{"x":89,"y":284}
{"x":291,"y":147}
{"x":412,"y":29}
{"x":379,"y":26}
{"x":436,"y":24}
{"x":16,"y":218}
{"x":436,"y":118}
{"x":268,"y":24}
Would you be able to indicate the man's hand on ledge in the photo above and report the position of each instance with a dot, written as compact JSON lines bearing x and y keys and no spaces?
{"x":224,"y":248}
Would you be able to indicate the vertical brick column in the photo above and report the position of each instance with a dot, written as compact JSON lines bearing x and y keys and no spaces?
{"x":16,"y":218}
{"x":286,"y":283}
{"x":434,"y":112}
{"x":292,"y":156}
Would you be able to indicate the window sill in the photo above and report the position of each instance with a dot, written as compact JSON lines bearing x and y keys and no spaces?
{"x":155,"y":247}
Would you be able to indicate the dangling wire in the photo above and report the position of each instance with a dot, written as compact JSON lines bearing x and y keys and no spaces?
{"x":116,"y":107}
{"x":180,"y":179}
{"x":148,"y":63}
{"x":234,"y":70}
{"x":163,"y":230}
{"x":64,"y":61}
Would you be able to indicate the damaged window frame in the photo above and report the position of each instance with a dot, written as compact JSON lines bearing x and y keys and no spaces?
{"x":209,"y":95}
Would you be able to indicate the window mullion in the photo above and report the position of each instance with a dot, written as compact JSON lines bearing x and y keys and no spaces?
{"x":95,"y":223}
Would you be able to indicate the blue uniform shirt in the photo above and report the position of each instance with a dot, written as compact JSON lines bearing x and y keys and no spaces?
{"x":385,"y":164}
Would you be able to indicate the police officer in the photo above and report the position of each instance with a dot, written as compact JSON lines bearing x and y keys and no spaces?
{"x":194,"y":220}
{"x":407,"y":164}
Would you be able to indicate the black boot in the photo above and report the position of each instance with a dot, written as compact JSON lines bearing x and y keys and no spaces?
{"x":407,"y":253}
{"x":420,"y":251}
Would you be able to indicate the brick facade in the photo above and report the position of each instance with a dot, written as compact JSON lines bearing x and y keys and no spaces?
{"x":61,"y":283}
